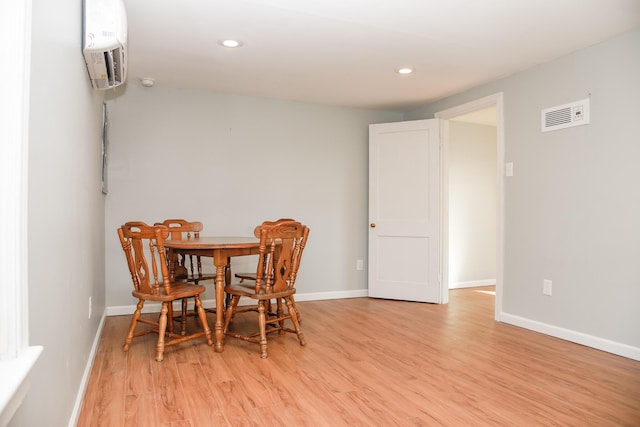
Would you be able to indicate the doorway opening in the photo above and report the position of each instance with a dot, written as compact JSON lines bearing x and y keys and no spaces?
{"x":473,"y":196}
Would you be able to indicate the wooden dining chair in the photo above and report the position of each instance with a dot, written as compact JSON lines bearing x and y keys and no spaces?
{"x":252,"y":275}
{"x":256,"y":232}
{"x":188,"y":267}
{"x":144,"y":249}
{"x":280,"y":252}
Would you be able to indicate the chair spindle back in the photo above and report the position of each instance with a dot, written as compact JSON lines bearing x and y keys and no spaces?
{"x":280,"y":251}
{"x":180,"y":229}
{"x":134,"y":236}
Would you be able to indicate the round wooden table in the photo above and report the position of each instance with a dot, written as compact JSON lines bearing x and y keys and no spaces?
{"x":221,"y":249}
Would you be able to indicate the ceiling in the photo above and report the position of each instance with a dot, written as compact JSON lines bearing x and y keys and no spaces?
{"x":345,"y":52}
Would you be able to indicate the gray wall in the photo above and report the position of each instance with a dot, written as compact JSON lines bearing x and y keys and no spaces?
{"x":232,"y":162}
{"x":66,"y":214}
{"x":572,"y":208}
{"x":472,"y":204}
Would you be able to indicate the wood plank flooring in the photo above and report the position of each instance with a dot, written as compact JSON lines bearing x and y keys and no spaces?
{"x":367,"y":362}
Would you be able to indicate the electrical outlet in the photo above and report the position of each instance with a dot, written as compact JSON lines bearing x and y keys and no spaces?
{"x":508,"y":169}
{"x":547,"y":287}
{"x":359,"y":264}
{"x":89,"y":307}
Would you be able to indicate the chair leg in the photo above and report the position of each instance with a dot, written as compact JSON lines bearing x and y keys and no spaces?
{"x":162,"y":329}
{"x":294,"y":319}
{"x":170,"y":314}
{"x":132,"y":328}
{"x":183,"y":318}
{"x":293,"y":303}
{"x":231,"y":309}
{"x":203,"y":320}
{"x":280,"y":313}
{"x":262,"y":323}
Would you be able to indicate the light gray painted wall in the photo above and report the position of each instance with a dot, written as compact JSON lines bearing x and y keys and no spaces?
{"x":231,"y":162}
{"x":472,"y":203}
{"x":572,"y":208}
{"x":66,"y":214}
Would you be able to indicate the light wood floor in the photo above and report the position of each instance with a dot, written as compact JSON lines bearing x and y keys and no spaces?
{"x":367,"y":362}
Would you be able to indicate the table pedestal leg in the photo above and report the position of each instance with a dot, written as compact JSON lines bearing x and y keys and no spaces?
{"x":219,"y":332}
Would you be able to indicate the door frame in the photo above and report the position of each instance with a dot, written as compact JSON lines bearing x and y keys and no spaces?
{"x":488,"y":101}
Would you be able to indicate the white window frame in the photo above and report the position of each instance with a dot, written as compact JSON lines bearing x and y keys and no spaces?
{"x":16,"y":357}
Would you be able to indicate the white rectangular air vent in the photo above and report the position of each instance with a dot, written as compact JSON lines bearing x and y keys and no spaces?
{"x":564,"y":116}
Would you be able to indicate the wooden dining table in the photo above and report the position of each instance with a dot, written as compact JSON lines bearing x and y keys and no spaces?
{"x":221,"y":249}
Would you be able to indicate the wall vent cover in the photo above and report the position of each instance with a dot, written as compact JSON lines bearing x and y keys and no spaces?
{"x":565,"y":116}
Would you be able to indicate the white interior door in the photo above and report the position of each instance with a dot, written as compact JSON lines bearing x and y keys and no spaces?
{"x":404,"y":211}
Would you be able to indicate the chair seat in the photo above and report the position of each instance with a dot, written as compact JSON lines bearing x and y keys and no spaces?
{"x":246,"y":276}
{"x":178,"y":290}
{"x":195,"y":278}
{"x":201,"y":276}
{"x":249,"y":290}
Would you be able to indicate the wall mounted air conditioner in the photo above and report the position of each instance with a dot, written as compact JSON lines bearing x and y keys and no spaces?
{"x":105,"y":42}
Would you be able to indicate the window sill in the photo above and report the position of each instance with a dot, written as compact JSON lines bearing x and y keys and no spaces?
{"x":14,"y":385}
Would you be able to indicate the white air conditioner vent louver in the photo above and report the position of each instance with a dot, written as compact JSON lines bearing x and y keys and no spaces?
{"x":564,"y":116}
{"x":105,"y":42}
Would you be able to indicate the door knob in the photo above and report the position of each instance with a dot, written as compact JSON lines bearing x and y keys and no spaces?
{"x":372,"y":225}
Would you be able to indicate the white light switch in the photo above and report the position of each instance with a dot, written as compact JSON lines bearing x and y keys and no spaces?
{"x":508,"y":170}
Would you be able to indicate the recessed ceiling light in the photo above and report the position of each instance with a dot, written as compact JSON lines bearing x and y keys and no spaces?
{"x":230,"y":43}
{"x":404,"y":70}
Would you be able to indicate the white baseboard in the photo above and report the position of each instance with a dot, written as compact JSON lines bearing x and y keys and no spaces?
{"x":472,"y":284}
{"x":126,"y":310}
{"x":318,"y":296}
{"x":613,"y":347}
{"x":87,"y":371}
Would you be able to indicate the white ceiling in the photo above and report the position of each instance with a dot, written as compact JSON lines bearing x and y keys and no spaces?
{"x":344,"y":52}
